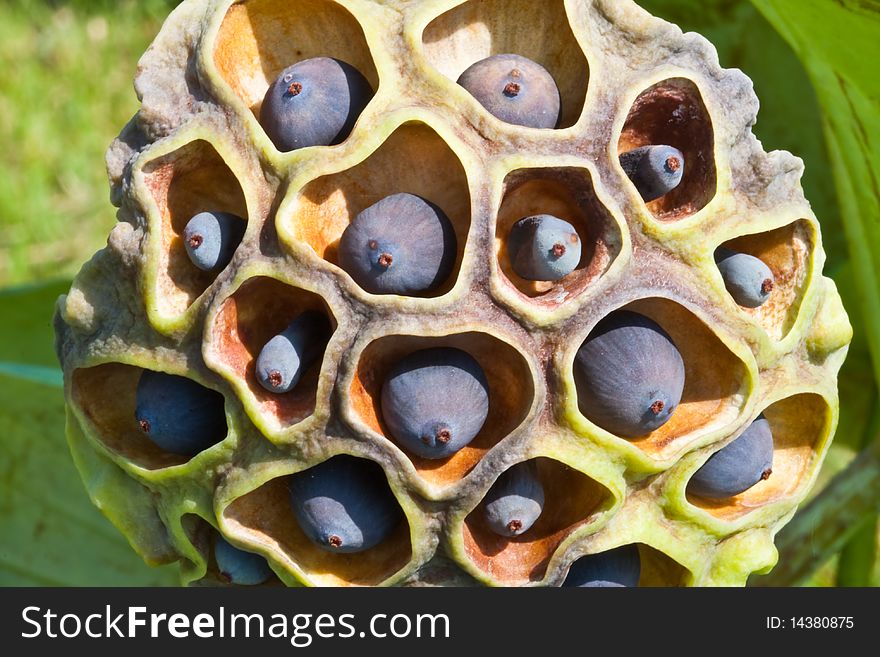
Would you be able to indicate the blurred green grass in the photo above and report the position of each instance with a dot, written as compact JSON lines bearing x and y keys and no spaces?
{"x":66,"y":72}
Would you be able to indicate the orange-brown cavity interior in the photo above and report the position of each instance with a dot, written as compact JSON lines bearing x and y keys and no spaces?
{"x":786,"y":251}
{"x":799,"y":424}
{"x":660,"y":570}
{"x":713,"y":384}
{"x":413,"y":159}
{"x":260,"y":38}
{"x":571,"y":499}
{"x":265,"y":517}
{"x":190,"y":180}
{"x":476,"y":30}
{"x":510,"y":394}
{"x":258,"y":311}
{"x":566,"y":193}
{"x":117,"y":428}
{"x":672,"y":113}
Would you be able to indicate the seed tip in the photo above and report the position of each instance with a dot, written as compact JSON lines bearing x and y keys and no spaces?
{"x":657,"y":406}
{"x":385,"y":260}
{"x":767,"y":286}
{"x":334,"y":541}
{"x":512,"y":89}
{"x":514,"y":526}
{"x":673,"y":164}
{"x":144,"y":425}
{"x":295,"y":89}
{"x":558,"y":250}
{"x":275,"y":379}
{"x":766,"y":474}
{"x":195,"y":240}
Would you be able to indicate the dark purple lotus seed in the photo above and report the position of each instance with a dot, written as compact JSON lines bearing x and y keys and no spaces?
{"x":514,"y":89}
{"x":435,"y":401}
{"x":315,"y":102}
{"x":284,"y":358}
{"x":543,"y":248}
{"x":629,"y":375}
{"x":619,"y":567}
{"x":515,"y":501}
{"x":402,"y":244}
{"x":178,"y":414}
{"x":748,"y":280}
{"x":238,"y":566}
{"x":738,"y":466}
{"x":211,"y":238}
{"x":344,"y":504}
{"x":654,"y":170}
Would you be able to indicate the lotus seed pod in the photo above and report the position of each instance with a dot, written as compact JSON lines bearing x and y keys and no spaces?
{"x":615,"y":381}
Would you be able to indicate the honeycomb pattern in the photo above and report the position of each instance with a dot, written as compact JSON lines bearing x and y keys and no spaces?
{"x":626,"y":79}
